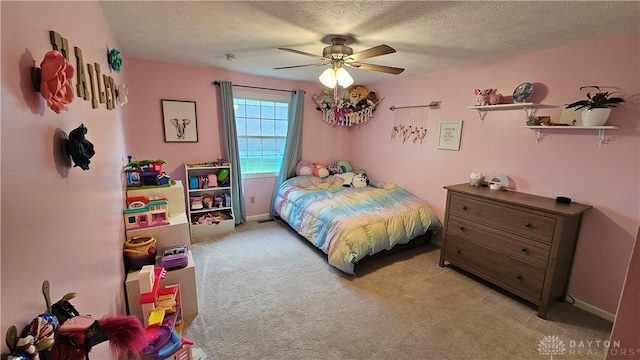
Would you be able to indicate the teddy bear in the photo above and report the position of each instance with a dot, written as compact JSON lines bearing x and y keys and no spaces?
{"x":483,"y":96}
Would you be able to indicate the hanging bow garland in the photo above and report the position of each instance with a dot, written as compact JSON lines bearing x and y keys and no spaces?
{"x":353,"y":106}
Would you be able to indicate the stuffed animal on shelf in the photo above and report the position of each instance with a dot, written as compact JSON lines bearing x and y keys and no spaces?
{"x":483,"y":96}
{"x":494,"y":99}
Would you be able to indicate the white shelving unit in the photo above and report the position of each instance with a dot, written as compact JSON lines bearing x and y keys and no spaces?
{"x":174,"y":233}
{"x":212,"y":220}
{"x":482,"y":110}
{"x":601,"y":130}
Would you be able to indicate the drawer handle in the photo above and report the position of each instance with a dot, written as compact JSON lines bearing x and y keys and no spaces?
{"x":524,"y":249}
{"x":462,"y":228}
{"x":519,"y":277}
{"x":459,"y":252}
{"x":464,"y":208}
{"x":528,"y":225}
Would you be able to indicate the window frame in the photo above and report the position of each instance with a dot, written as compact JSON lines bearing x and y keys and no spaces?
{"x":260,"y":97}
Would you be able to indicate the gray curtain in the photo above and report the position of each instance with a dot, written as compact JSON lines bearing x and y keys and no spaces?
{"x":293,"y":146}
{"x":231,"y":148}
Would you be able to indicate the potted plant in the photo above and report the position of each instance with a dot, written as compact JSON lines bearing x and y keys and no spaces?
{"x":597,"y":107}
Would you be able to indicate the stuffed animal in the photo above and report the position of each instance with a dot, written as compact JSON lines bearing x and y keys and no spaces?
{"x":320,"y":171}
{"x":372,"y":99}
{"x":359,"y":181}
{"x":483,"y":96}
{"x":334,"y":169}
{"x":350,"y":179}
{"x":494,"y":98}
{"x":347,"y":178}
{"x":354,"y":97}
{"x":304,"y":167}
{"x":344,"y":165}
{"x":323,"y":100}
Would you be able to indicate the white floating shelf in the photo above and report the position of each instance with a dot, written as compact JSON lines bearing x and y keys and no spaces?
{"x":601,"y":130}
{"x":482,"y":109}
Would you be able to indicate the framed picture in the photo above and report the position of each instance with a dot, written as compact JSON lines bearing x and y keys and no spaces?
{"x":449,"y":135}
{"x":179,"y":121}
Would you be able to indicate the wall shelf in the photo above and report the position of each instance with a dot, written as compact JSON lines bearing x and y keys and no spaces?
{"x":601,"y":130}
{"x":482,"y":109}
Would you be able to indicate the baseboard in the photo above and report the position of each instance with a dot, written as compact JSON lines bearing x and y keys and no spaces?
{"x":260,"y":217}
{"x":590,"y":308}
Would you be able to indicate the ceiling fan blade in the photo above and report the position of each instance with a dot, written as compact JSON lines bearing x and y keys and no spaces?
{"x":380,"y":68}
{"x":374,"y":51}
{"x":301,"y":53}
{"x":297,"y":66}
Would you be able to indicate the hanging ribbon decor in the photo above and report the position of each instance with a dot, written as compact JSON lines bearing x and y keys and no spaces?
{"x":347,"y":107}
{"x":410,"y":122}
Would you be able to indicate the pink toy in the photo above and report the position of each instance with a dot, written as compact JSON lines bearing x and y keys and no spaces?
{"x":494,"y":98}
{"x":483,"y":96}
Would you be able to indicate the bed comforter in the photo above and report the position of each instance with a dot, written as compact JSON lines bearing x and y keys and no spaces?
{"x":347,"y":223}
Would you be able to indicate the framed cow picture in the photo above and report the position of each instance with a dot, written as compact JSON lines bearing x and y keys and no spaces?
{"x":179,"y":121}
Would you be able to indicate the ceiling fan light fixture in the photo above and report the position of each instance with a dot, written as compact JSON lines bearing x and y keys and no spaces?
{"x":328,"y":78}
{"x":343,"y":77}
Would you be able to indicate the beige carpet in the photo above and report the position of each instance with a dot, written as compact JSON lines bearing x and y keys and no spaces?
{"x":265,"y":293}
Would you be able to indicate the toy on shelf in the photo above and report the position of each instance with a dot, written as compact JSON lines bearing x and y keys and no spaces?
{"x":219,"y":162}
{"x":140,"y":251}
{"x":145,"y":172}
{"x":145,"y":211}
{"x":174,"y":257}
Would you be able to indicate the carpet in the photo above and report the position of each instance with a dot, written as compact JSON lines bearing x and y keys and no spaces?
{"x":266,"y":293}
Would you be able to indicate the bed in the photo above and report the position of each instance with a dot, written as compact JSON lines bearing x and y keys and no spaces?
{"x":349,"y":224}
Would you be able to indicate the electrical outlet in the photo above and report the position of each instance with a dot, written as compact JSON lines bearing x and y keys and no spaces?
{"x":252,"y":199}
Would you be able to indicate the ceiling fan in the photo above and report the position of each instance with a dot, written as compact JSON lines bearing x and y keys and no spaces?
{"x":339,"y":54}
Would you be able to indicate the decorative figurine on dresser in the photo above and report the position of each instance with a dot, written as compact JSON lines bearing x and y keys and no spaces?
{"x":520,"y":242}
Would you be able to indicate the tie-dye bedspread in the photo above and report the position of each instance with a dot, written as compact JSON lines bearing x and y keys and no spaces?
{"x":349,"y":224}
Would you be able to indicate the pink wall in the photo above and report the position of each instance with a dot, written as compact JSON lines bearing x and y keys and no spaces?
{"x":567,"y":163}
{"x":150,"y":81}
{"x":58,"y":224}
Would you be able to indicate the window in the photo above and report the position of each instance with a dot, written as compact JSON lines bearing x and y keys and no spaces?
{"x":261,"y":125}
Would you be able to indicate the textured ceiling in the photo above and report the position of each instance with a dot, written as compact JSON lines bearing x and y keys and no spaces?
{"x":427,"y":35}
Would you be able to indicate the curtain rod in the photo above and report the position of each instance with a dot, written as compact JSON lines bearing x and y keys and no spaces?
{"x":252,"y":87}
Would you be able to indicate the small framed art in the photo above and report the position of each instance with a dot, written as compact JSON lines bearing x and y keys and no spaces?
{"x":449,"y":135}
{"x":179,"y":121}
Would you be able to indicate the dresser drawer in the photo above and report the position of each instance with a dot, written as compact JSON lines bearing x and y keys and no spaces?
{"x":531,"y":251}
{"x":513,"y":275}
{"x":519,"y":221}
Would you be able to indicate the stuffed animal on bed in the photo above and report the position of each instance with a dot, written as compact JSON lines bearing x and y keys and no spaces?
{"x":334,"y":169}
{"x":304,"y":167}
{"x":350,"y":179}
{"x":320,"y":171}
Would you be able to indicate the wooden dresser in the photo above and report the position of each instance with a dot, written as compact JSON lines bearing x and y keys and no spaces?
{"x":520,"y":242}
